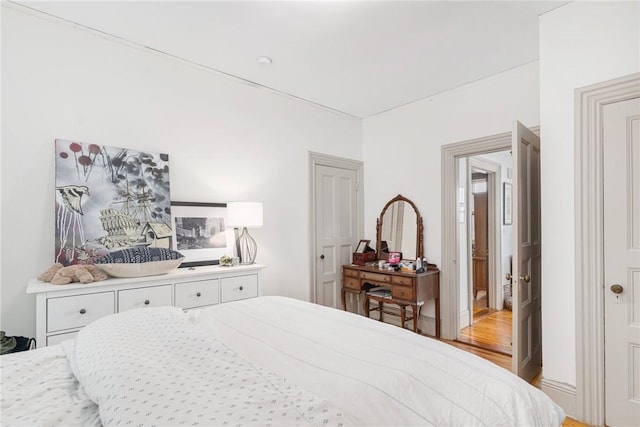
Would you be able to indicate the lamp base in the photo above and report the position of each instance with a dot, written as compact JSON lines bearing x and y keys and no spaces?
{"x":246,"y":248}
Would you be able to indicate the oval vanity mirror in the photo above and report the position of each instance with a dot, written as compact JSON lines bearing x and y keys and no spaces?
{"x":399,"y":229}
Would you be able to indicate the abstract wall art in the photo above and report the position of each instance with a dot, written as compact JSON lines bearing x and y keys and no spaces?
{"x":109,"y":198}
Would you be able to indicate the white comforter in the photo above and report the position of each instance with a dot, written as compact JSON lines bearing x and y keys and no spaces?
{"x":263,"y":361}
{"x":39,"y":389}
{"x":154,"y":367}
{"x":378,"y":373}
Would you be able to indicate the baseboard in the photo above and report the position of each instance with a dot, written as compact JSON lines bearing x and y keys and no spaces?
{"x":464,"y":319}
{"x":561,"y":393}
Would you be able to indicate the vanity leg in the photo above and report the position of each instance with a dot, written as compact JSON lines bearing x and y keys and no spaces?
{"x":365,"y":306}
{"x":416,"y":314}
{"x":344,"y":301}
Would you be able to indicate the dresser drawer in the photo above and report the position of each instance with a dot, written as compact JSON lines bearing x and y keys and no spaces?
{"x":153,"y":296}
{"x":403,"y":292}
{"x":197,"y":294}
{"x":351,"y":273}
{"x":57,"y":339}
{"x":351,"y":283}
{"x":400,"y":280}
{"x":78,"y":310}
{"x":241,"y":287}
{"x":375,"y":277}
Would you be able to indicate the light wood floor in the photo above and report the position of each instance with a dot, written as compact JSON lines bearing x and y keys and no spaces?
{"x":491,"y":331}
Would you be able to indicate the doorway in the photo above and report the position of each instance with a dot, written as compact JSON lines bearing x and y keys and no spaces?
{"x":596,"y":301}
{"x":518,"y":207}
{"x":485,"y":244}
{"x":336,"y":216}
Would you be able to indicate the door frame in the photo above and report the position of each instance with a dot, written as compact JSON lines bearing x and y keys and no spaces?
{"x":494,"y":177}
{"x":589,"y":235}
{"x":320,"y":159}
{"x":449,"y":280}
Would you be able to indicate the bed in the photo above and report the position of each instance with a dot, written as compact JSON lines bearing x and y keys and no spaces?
{"x":261,"y":361}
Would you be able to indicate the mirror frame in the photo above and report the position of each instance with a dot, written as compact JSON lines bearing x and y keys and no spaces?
{"x":419,"y":227}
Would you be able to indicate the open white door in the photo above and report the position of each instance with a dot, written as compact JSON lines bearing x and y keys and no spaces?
{"x":527,"y":337}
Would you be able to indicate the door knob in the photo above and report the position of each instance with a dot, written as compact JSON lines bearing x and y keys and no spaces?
{"x":322,"y":256}
{"x":526,"y":278}
{"x":617,"y":289}
{"x":508,"y":276}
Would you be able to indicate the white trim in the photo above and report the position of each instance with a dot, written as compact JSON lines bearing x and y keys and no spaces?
{"x":589,"y":231}
{"x":563,"y":394}
{"x":449,"y":283}
{"x":320,"y":159}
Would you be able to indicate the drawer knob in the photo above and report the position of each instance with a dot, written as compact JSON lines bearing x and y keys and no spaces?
{"x":147,"y":302}
{"x":83,"y":311}
{"x":240,"y":288}
{"x":198,"y":294}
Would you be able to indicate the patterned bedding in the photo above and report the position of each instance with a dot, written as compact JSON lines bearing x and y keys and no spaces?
{"x":263,"y":361}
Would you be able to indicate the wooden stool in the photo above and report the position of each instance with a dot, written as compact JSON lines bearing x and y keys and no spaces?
{"x":415,"y":309}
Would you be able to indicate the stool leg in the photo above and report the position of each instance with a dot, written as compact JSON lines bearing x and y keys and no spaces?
{"x":381,"y":307}
{"x":403,"y":315}
{"x":365,"y":305}
{"x":416,"y":313}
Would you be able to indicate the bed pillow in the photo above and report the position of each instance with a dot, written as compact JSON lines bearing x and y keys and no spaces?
{"x":139,"y":261}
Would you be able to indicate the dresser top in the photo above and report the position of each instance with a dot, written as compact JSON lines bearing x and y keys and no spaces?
{"x":35,"y":286}
{"x":432,"y":269}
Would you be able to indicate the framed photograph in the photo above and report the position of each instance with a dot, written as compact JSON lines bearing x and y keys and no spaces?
{"x":362,"y":246}
{"x":507,"y":204}
{"x":200,"y":233}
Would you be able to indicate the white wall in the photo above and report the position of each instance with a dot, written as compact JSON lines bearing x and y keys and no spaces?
{"x":227,"y":141}
{"x":581,"y":43}
{"x":402,"y":147}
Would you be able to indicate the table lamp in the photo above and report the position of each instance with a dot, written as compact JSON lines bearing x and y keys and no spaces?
{"x":245,"y":215}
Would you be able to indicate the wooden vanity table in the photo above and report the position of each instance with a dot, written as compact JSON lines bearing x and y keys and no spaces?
{"x":407,"y":289}
{"x":395,"y":232}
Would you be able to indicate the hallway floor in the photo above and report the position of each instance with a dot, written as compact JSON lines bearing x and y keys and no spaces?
{"x":491,"y":330}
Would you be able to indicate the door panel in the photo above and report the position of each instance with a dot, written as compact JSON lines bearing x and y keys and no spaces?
{"x":527,"y":355}
{"x":621,"y":144}
{"x":336,"y":209}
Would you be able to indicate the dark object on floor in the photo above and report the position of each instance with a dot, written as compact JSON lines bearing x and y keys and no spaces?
{"x":15,"y":344}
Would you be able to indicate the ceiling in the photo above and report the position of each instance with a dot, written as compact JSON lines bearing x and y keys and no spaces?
{"x":360,"y":58}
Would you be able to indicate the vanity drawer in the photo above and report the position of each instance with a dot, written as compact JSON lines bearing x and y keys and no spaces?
{"x":78,"y":310}
{"x":403,"y":292}
{"x":351,"y":283}
{"x":376,"y":277}
{"x":351,"y":273}
{"x":153,"y":296}
{"x":197,"y":294}
{"x":400,"y":280}
{"x":236,"y":288}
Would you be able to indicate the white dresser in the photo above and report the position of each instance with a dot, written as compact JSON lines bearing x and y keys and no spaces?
{"x":62,"y":310}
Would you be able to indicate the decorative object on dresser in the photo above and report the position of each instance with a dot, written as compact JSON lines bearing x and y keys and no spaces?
{"x":245,"y":215}
{"x":108,"y":198}
{"x":363,"y":253}
{"x":399,"y":233}
{"x":200,"y":232}
{"x":62,"y":311}
{"x":58,"y":274}
{"x":139,"y":261}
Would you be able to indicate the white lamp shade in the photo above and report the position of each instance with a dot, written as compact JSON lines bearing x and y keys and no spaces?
{"x":244,"y":214}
